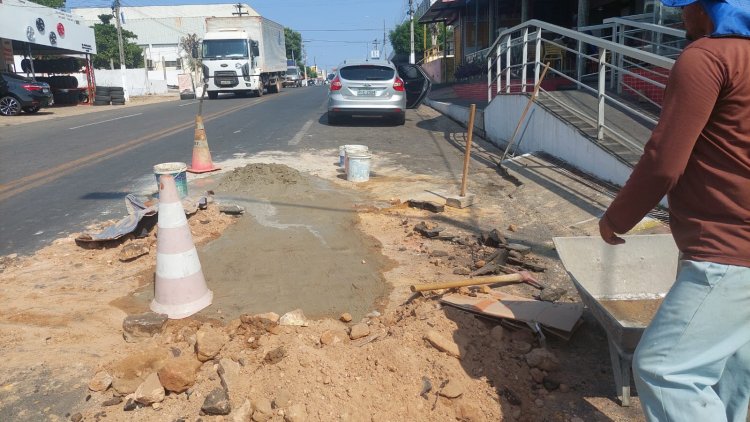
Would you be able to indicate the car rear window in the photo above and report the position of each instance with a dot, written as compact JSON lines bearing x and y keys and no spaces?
{"x":367,"y":73}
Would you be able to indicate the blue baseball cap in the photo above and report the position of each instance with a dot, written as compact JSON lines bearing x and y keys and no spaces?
{"x":677,"y":3}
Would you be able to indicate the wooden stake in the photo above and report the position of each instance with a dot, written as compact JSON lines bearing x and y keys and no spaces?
{"x":467,"y":155}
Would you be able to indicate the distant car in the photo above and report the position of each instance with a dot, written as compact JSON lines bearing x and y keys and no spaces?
{"x":376,"y":88}
{"x":18,"y":93}
{"x":293,"y":78}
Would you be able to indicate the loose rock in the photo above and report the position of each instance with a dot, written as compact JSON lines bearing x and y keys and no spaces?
{"x":467,"y":412}
{"x":133,"y":250}
{"x":263,"y":410}
{"x":101,"y":381}
{"x":493,"y":239}
{"x":294,"y":318}
{"x":275,"y":355}
{"x":151,"y":391}
{"x":217,"y":403}
{"x":346,"y":317}
{"x":209,"y":342}
{"x":358,"y":331}
{"x":428,"y":231}
{"x":451,"y":390}
{"x":462,"y":271}
{"x":113,"y":401}
{"x":229,"y":372}
{"x":76,"y":417}
{"x":443,"y":344}
{"x":179,"y":374}
{"x":140,"y":326}
{"x":537,"y":375}
{"x":130,"y":405}
{"x":330,"y":337}
{"x":243,"y":413}
{"x":426,"y":205}
{"x":550,"y":383}
{"x":552,"y":294}
{"x":296,"y":413}
{"x":542,"y":359}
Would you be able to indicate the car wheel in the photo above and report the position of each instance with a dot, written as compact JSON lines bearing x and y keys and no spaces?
{"x":9,"y":106}
{"x":400,"y":120}
{"x":212,"y":95}
{"x":31,"y":110}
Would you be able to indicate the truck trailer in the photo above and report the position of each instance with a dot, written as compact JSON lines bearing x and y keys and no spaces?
{"x":243,"y":55}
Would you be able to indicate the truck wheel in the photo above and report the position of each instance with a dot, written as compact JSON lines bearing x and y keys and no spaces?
{"x":259,"y":92}
{"x":212,"y":95}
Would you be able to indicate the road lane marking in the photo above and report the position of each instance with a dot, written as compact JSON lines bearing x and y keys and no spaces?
{"x":237,"y":131}
{"x":183,"y":105}
{"x":105,"y":121}
{"x":40,"y":178}
{"x":299,"y":135}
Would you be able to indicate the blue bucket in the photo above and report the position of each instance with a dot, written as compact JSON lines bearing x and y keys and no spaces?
{"x":176,"y":170}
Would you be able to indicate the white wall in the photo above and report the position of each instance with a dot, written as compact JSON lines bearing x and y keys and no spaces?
{"x":541,"y":131}
{"x":136,"y":79}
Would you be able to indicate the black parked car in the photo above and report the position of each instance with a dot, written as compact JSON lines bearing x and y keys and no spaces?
{"x":19,"y":93}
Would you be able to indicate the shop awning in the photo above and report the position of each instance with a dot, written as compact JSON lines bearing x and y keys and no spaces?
{"x":440,"y":10}
{"x":48,"y":31}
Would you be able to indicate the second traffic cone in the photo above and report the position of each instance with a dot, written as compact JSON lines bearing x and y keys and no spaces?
{"x":179,"y":289}
{"x":201,"y":155}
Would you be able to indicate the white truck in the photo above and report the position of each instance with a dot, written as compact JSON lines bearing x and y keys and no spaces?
{"x":243,"y":55}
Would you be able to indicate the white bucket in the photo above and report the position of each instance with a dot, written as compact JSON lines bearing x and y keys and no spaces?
{"x":342,"y":154}
{"x":178,"y":171}
{"x":359,"y":166}
{"x":351,"y":149}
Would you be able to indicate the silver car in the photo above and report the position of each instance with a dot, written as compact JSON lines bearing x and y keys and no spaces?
{"x":376,"y":88}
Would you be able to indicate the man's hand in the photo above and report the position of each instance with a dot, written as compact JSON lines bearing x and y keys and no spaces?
{"x":608,"y":233}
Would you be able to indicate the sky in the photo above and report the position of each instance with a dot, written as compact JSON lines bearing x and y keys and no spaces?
{"x":333,"y":30}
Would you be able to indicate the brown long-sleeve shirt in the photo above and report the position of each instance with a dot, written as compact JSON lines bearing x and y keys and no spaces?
{"x":699,"y":156}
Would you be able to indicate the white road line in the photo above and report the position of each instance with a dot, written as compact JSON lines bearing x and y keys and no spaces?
{"x":237,"y":131}
{"x":298,"y":136}
{"x":183,"y":105}
{"x":105,"y":121}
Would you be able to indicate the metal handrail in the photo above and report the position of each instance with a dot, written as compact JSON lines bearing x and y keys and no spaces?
{"x":614,"y":60}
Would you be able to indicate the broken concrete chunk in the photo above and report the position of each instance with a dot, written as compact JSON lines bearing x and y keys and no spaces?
{"x":101,"y":381}
{"x":331,"y":337}
{"x":426,"y":205}
{"x":427,"y":231}
{"x":229,"y":208}
{"x":263,"y":409}
{"x":443,"y":344}
{"x":151,"y":391}
{"x":142,"y":326}
{"x":552,"y":294}
{"x":358,"y":331}
{"x":294,"y":318}
{"x":217,"y":403}
{"x":133,"y":250}
{"x":208,"y":342}
{"x":229,"y":372}
{"x":493,"y":238}
{"x":522,"y":249}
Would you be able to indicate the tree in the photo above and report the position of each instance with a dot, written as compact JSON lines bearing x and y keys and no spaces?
{"x":400,"y":39}
{"x":311,"y":73}
{"x":107,"y":47}
{"x":55,"y":4}
{"x":293,"y":40}
{"x":188,"y":44}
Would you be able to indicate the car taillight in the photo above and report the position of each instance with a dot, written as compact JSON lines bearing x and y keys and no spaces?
{"x":336,"y":84}
{"x":29,"y":87}
{"x":398,"y":84}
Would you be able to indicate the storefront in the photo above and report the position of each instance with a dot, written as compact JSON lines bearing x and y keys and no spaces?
{"x":34,"y":31}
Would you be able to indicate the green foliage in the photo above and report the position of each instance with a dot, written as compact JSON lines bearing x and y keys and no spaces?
{"x":55,"y":4}
{"x":400,"y":38}
{"x":107,"y":47}
{"x":311,"y":73}
{"x":293,"y":40}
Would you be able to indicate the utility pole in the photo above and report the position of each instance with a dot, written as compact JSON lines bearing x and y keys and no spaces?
{"x":304,"y":61}
{"x":412,"y":58}
{"x":116,"y":7}
{"x":239,"y":11}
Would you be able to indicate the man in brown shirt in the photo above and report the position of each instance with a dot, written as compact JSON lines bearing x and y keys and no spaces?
{"x":693,"y":361}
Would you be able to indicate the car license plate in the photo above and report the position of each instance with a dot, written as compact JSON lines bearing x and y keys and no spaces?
{"x":225,"y":82}
{"x":366,"y":93}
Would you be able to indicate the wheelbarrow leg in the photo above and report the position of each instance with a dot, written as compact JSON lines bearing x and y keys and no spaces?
{"x":621,"y":364}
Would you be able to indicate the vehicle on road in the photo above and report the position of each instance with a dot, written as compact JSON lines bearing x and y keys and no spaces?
{"x":293,"y":78}
{"x":18,"y":93}
{"x":243,"y":55}
{"x":376,"y":88}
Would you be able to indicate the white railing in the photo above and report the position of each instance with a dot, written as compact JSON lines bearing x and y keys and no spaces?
{"x":595,"y":65}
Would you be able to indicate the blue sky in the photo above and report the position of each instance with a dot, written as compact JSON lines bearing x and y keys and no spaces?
{"x":357,"y":22}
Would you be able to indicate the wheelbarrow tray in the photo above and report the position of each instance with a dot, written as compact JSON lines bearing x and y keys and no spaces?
{"x":642,"y":269}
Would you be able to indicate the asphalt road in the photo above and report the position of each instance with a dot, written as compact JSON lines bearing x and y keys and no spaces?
{"x":58,"y":176}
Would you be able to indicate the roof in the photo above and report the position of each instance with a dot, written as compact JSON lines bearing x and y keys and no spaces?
{"x":164,"y":24}
{"x":440,"y":10}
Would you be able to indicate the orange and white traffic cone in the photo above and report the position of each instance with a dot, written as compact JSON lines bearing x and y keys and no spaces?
{"x":180,"y":289}
{"x":201,"y":155}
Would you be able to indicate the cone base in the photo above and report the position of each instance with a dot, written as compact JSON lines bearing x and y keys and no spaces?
{"x":198,"y":171}
{"x":184,"y":310}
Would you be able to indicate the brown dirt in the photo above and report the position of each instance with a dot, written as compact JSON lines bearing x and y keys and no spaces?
{"x":61,"y":311}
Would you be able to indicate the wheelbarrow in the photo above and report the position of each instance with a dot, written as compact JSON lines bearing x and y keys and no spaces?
{"x":622,"y":286}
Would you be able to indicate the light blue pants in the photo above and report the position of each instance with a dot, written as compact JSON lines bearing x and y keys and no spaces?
{"x":693,"y":361}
